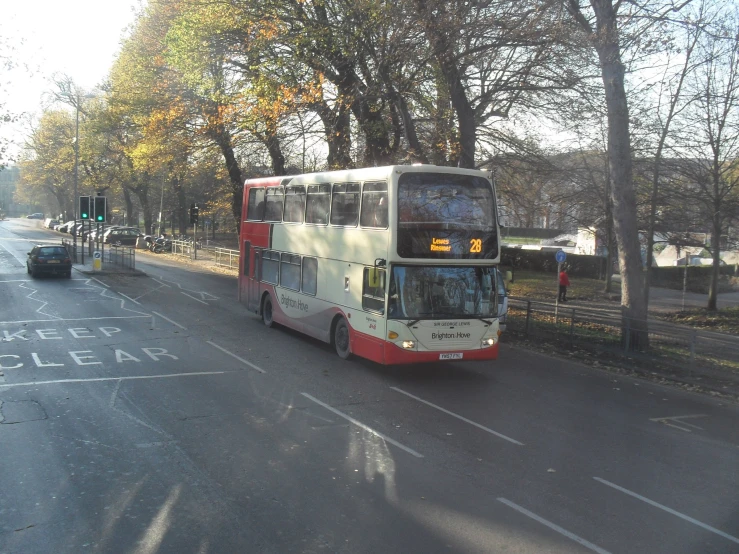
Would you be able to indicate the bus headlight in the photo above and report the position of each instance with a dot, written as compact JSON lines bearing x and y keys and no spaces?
{"x":488,"y":342}
{"x":409,"y":344}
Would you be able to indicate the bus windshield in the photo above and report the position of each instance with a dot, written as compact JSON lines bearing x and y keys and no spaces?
{"x":434,"y":292}
{"x":445,"y":201}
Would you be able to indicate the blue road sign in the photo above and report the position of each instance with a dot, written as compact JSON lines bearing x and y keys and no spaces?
{"x":560,"y":256}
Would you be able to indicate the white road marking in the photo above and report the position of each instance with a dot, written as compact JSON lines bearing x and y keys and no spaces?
{"x":74,"y":319}
{"x":99,"y":281}
{"x":242,"y":360}
{"x":203,"y":295}
{"x":196,"y":299}
{"x":362,"y":425}
{"x":678,"y":423}
{"x":43,"y":303}
{"x":587,"y":544}
{"x":172,"y":322}
{"x":668,"y":510}
{"x":103,"y":379}
{"x":129,"y":298}
{"x":487,"y":429}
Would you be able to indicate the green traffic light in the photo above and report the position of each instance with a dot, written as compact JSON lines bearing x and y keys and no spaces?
{"x":85,"y":216}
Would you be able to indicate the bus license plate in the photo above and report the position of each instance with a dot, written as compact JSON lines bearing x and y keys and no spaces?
{"x":451,"y":356}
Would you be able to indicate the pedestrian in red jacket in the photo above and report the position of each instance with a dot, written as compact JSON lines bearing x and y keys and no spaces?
{"x":564,"y":282}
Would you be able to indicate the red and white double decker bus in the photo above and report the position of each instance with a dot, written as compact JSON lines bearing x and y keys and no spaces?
{"x":394,"y":264}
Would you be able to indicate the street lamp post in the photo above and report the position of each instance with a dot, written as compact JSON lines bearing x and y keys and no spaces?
{"x":76,"y":99}
{"x":76,"y":173}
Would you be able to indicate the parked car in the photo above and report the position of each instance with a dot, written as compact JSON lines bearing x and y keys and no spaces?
{"x":65,"y":227}
{"x":49,"y":258}
{"x":124,"y":236}
{"x":49,"y":223}
{"x":35,"y":216}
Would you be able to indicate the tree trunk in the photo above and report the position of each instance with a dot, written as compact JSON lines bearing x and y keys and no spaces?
{"x":634,"y":311}
{"x":130,"y":220}
{"x":337,"y":130}
{"x":222,"y":138}
{"x":443,"y":49}
{"x":716,"y":255}
{"x":272,"y":143}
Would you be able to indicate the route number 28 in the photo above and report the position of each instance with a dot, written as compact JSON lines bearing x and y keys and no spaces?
{"x":475,"y":246}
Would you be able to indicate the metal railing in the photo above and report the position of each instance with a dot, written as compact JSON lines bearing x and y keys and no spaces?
{"x":70,"y":246}
{"x":665,"y":346}
{"x":119,"y":257}
{"x":185,"y":248}
{"x":122,"y":257}
{"x":226,"y":257}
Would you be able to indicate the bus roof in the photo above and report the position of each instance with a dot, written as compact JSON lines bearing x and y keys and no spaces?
{"x":363,"y":174}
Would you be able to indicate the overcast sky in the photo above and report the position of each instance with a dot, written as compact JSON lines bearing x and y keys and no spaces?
{"x":78,"y":38}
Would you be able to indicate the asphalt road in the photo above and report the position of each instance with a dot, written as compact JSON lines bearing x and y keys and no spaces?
{"x":153,"y":414}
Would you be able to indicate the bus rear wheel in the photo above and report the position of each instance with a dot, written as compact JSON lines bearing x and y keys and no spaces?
{"x":267,"y":317}
{"x":341,"y":339}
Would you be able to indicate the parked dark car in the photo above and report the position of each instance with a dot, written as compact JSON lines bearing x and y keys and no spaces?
{"x":35,"y":216}
{"x":49,"y":258}
{"x":124,"y":236}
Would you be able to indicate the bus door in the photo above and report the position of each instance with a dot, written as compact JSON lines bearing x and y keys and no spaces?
{"x":252,"y":283}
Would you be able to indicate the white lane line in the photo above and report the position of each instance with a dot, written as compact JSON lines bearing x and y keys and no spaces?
{"x":678,"y":423}
{"x":242,"y":360}
{"x":487,"y":429}
{"x":129,"y":298}
{"x":103,"y":379}
{"x":362,"y":425}
{"x":75,"y":319}
{"x":668,"y":510}
{"x":196,"y":299}
{"x":172,"y":322}
{"x":99,"y":281}
{"x":554,"y":527}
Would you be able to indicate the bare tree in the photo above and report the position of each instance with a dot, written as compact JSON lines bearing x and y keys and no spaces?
{"x":602,"y":26}
{"x":671,"y":100}
{"x":710,"y":145}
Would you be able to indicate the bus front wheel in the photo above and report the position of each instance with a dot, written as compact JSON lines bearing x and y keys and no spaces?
{"x":341,"y":339}
{"x":267,"y":312}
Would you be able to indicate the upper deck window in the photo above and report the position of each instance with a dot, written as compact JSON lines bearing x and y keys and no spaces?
{"x":275,"y":201}
{"x":345,"y":204}
{"x":374,"y":205}
{"x":455,"y":201}
{"x":294,"y":204}
{"x":318,"y":204}
{"x":255,"y":210}
{"x":446,"y":216}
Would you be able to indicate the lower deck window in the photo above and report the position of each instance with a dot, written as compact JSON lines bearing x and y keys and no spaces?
{"x":290,"y":271}
{"x":309,"y":282}
{"x":270,"y":266}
